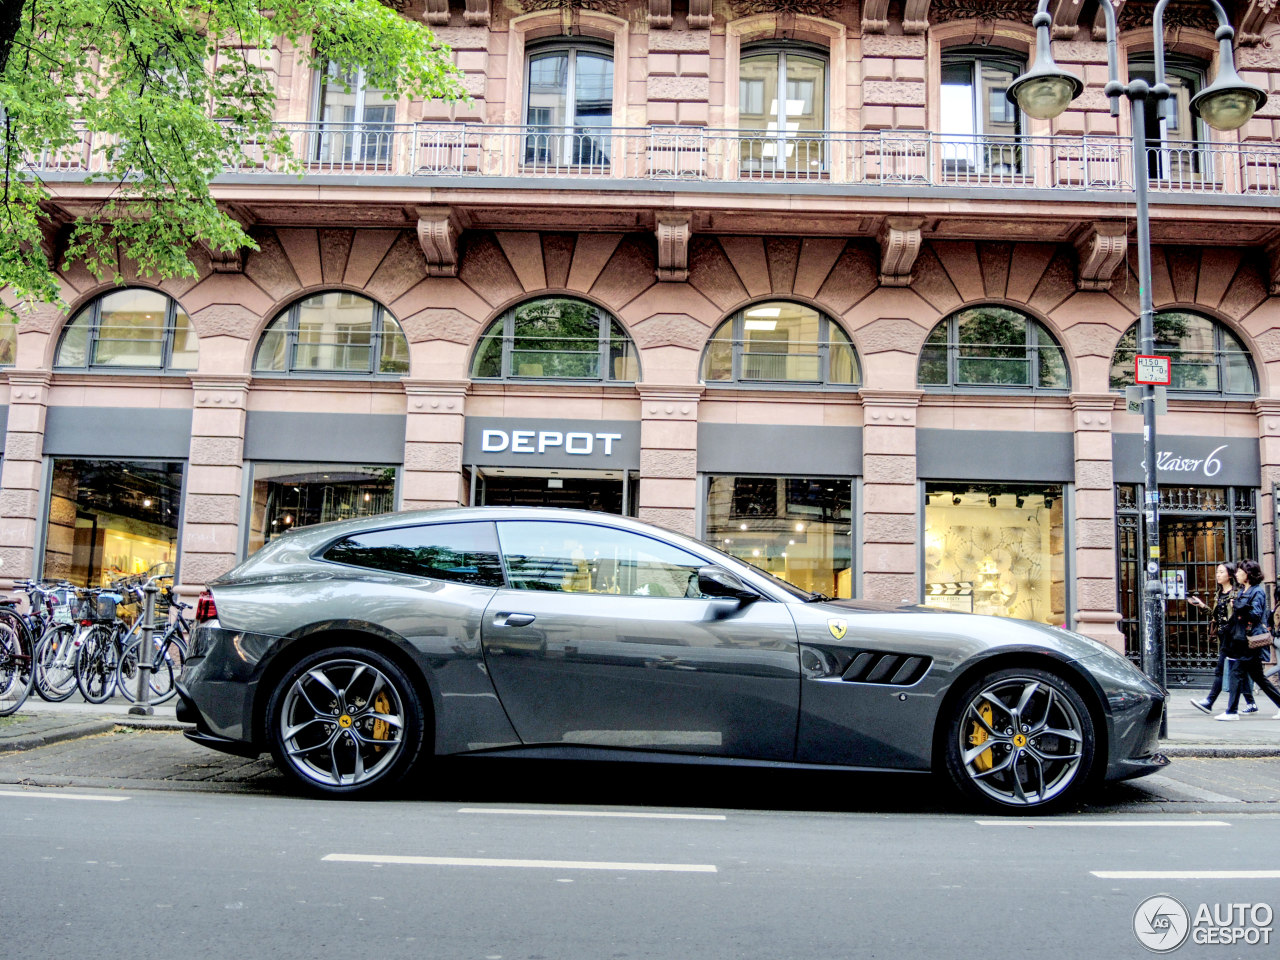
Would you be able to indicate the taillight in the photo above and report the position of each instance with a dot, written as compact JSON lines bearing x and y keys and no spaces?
{"x":205,"y":608}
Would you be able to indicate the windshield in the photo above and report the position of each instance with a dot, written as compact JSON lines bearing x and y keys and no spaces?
{"x":733,"y":563}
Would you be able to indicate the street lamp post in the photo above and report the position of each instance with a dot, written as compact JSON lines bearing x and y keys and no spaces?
{"x":1044,"y":92}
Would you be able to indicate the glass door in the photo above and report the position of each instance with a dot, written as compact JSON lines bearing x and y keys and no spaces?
{"x":782,"y":110}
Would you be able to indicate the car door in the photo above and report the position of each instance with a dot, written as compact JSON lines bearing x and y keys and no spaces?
{"x":601,"y":638}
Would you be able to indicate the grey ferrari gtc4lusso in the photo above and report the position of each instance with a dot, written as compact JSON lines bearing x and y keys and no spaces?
{"x":353,"y":651}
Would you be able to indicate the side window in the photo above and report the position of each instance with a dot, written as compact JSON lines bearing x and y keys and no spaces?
{"x":584,"y":558}
{"x":460,"y":552}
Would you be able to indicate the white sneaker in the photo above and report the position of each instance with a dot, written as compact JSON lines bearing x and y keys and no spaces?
{"x":1227,"y":716}
{"x":1276,"y":717}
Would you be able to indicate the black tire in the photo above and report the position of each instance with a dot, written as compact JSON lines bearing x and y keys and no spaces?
{"x":16,"y":664}
{"x":323,"y":726}
{"x":55,"y":678}
{"x":96,"y":663}
{"x":162,"y":687}
{"x":1041,"y":736}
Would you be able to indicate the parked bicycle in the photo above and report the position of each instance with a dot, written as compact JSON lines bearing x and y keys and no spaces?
{"x":170,"y":644}
{"x":20,"y":634}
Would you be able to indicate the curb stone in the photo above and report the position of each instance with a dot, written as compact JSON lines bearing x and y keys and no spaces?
{"x":75,"y":731}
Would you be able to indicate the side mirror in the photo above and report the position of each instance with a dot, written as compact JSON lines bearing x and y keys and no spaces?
{"x":716,"y":581}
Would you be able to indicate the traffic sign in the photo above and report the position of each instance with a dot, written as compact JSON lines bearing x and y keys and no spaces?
{"x":1152,"y":369}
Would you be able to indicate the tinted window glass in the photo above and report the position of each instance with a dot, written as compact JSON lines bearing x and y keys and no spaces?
{"x":584,"y":558}
{"x":461,"y":552}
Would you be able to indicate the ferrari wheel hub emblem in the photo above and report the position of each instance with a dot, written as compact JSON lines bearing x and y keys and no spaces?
{"x":344,"y":721}
{"x":1019,"y":741}
{"x":838,"y":628}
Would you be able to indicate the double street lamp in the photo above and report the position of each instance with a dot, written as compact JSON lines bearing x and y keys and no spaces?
{"x":1044,"y":92}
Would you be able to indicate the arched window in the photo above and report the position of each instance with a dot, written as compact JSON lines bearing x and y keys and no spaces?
{"x":783,"y":343}
{"x":569,"y":100}
{"x":333,"y":333}
{"x":556,"y":338}
{"x":992,"y":347}
{"x":1208,"y":359}
{"x":131,"y":329}
{"x":782,"y":96}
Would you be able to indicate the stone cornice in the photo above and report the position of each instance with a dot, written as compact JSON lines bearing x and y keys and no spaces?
{"x":1093,"y":401}
{"x":220,"y":381}
{"x":436,"y":388}
{"x":670,"y":391}
{"x":890,"y":398}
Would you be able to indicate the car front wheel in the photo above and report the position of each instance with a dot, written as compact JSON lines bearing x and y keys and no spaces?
{"x":1021,"y":740}
{"x":346,"y":722}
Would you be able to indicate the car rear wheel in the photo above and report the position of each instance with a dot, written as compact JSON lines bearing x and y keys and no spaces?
{"x":1021,"y":740}
{"x":346,"y":722}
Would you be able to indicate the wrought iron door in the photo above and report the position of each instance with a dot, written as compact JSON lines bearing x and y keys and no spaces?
{"x":1200,"y":527}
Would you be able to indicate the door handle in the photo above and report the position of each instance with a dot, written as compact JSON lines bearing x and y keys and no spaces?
{"x":516,"y":620}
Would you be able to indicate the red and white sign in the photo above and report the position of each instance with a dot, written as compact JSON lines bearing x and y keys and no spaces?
{"x":1155,"y":370}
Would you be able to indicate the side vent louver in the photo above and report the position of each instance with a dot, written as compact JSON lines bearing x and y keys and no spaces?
{"x":894,"y":669}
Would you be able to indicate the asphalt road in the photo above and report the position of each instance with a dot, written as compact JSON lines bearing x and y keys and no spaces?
{"x":177,"y":852}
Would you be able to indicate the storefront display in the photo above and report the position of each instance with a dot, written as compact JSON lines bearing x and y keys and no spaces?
{"x":290,"y":495}
{"x":111,"y":518}
{"x":797,"y":528}
{"x":996,"y":549}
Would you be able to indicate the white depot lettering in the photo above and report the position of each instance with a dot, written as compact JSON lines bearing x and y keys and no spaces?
{"x":544,"y":441}
{"x":494,"y":441}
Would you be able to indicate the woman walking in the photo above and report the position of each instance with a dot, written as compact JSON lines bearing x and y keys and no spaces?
{"x":1225,"y":574}
{"x":1248,"y":616}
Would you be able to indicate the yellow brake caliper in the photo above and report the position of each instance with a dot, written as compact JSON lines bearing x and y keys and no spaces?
{"x":984,"y":760}
{"x":382,"y":729}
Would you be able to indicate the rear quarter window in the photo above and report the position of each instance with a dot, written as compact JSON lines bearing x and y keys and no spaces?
{"x":457,"y":552}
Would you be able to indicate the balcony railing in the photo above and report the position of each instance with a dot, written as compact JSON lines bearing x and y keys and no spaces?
{"x":701,"y":154}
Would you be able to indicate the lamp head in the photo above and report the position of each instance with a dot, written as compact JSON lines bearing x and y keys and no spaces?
{"x":1046,"y":90}
{"x":1228,"y":103}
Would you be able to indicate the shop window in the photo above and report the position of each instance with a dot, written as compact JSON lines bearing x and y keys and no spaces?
{"x":996,"y":549}
{"x":291,"y":495}
{"x":129,"y":330}
{"x":780,"y":343}
{"x":1207,"y":358}
{"x":980,"y":128}
{"x":333,"y":333}
{"x":1175,"y":143}
{"x":569,"y":105}
{"x":110,"y":519}
{"x":782,"y":109}
{"x":556,"y":338}
{"x":581,"y":558}
{"x":800,"y":529}
{"x":457,"y":552}
{"x":355,"y":122}
{"x":992,"y":348}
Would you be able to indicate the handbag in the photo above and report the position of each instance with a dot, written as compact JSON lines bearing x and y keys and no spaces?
{"x":1259,"y":640}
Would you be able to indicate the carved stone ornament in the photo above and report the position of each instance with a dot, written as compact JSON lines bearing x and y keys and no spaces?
{"x":899,"y":241}
{"x":1253,"y":15}
{"x":660,"y":14}
{"x":915,"y":16}
{"x":437,"y":13}
{"x":826,"y":9}
{"x":1140,"y":13}
{"x":940,"y":11}
{"x":223,"y":261}
{"x":600,"y":6}
{"x":672,"y":231}
{"x":438,"y":232}
{"x":1101,"y":248}
{"x":477,"y":13}
{"x":699,"y":14}
{"x":1066,"y":18}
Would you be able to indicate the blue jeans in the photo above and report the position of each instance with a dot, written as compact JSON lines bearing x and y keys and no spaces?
{"x":1238,"y":672}
{"x":1216,"y":689}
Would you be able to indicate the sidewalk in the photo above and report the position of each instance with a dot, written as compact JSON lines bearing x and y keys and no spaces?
{"x":1191,"y":733}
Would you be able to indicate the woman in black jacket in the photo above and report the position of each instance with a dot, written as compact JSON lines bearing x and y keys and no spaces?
{"x":1225,"y":575}
{"x":1248,"y":616}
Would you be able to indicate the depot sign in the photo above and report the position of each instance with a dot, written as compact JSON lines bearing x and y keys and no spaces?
{"x":502,"y":442}
{"x":1190,"y":461}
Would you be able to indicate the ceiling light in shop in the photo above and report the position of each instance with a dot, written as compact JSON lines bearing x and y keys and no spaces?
{"x":764,"y":312}
{"x":799,"y":528}
{"x":146,"y":501}
{"x":760,"y":325}
{"x":755,"y":553}
{"x":791,"y":543}
{"x":742,"y":526}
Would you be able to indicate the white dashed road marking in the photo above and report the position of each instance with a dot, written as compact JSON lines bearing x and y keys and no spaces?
{"x":536,"y":864}
{"x":621,"y":814}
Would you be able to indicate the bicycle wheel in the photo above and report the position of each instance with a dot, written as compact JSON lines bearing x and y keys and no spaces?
{"x":162,"y":685}
{"x":55,"y":672}
{"x":15,"y":667}
{"x":96,"y":662}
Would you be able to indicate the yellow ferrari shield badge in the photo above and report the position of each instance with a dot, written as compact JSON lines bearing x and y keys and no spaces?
{"x":838,"y":628}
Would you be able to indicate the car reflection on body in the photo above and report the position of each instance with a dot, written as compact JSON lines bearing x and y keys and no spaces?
{"x":355,"y":651}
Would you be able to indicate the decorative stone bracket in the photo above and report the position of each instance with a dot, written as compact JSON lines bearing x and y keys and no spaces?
{"x":899,"y":240}
{"x":476,"y":13}
{"x":1273,"y":266}
{"x":1100,"y":248}
{"x":672,"y":231}
{"x":699,"y":14}
{"x":224,"y":261}
{"x":438,"y":231}
{"x":660,"y":14}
